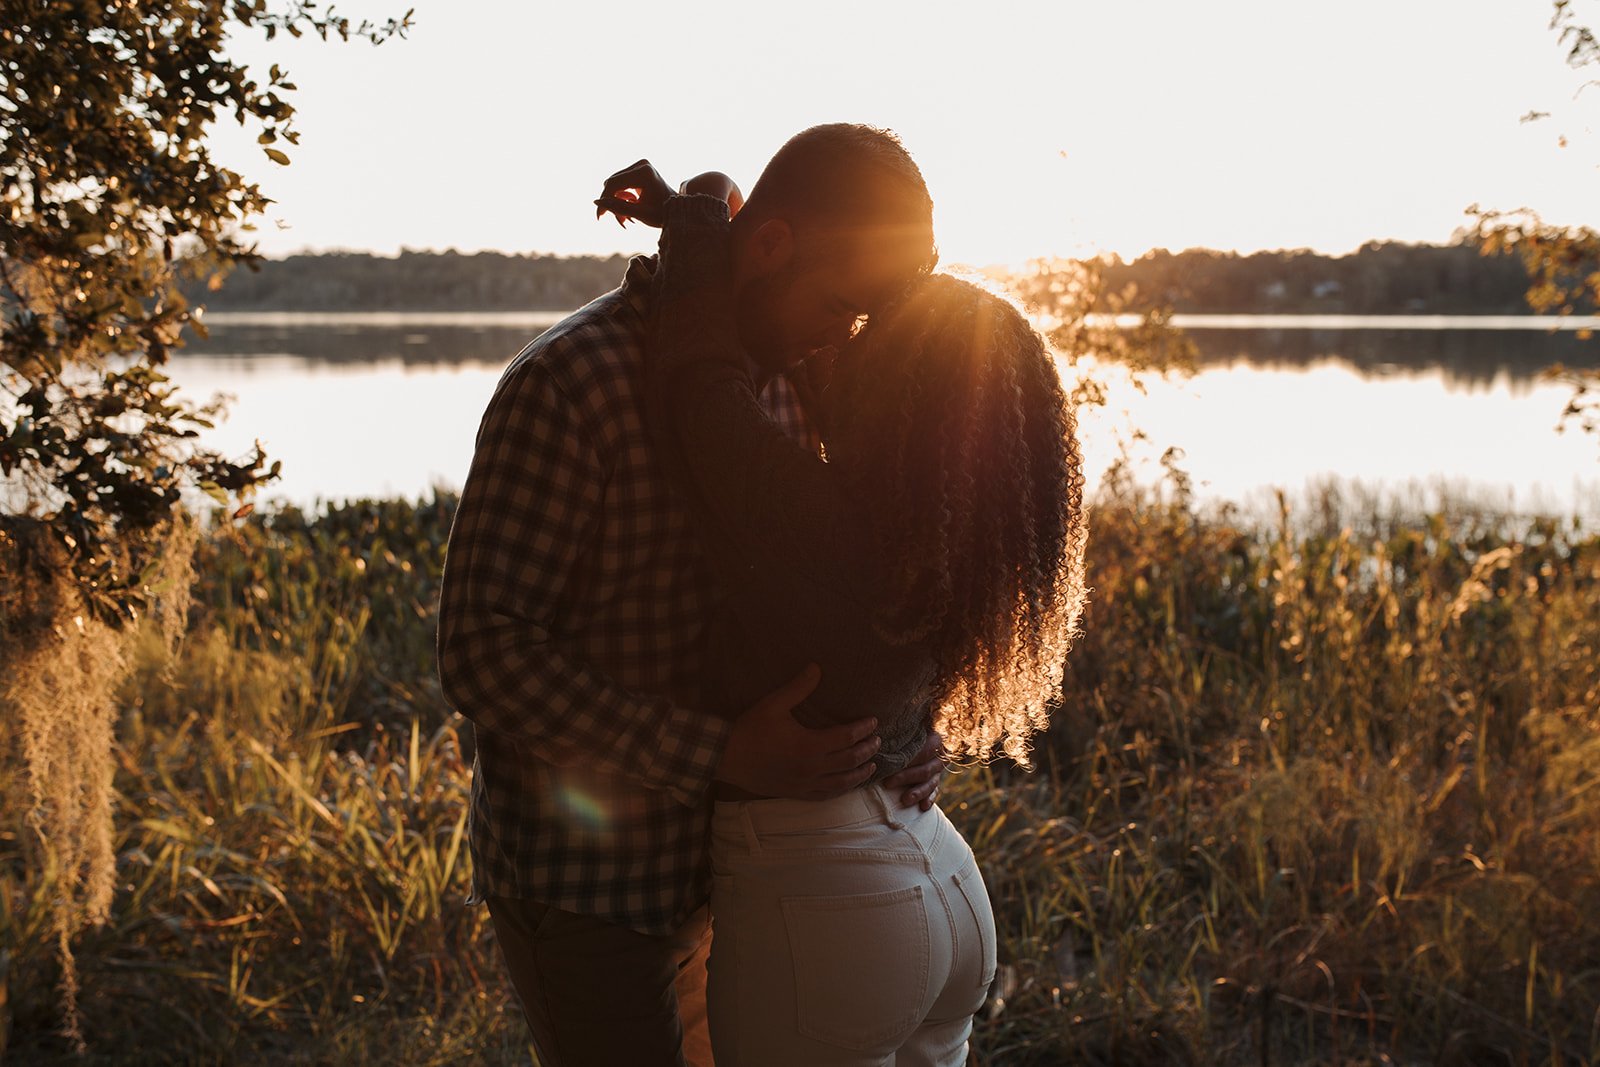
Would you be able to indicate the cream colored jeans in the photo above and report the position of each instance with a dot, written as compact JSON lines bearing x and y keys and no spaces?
{"x":845,"y":931}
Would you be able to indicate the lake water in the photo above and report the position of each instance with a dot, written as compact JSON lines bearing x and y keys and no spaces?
{"x":1419,"y":409}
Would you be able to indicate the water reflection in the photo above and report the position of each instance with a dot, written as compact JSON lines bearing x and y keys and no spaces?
{"x":1465,"y":358}
{"x":345,"y":431}
{"x":1247,"y":431}
{"x":1469,"y":358}
{"x":374,"y":406}
{"x":428,"y":343}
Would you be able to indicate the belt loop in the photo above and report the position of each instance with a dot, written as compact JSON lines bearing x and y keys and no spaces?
{"x":752,"y":841}
{"x":881,"y":798}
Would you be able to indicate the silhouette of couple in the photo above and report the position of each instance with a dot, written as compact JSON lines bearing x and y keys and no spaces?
{"x":747,"y":546}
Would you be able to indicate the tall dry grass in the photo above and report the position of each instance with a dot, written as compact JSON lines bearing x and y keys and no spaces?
{"x":1319,"y":793}
{"x":291,"y":801}
{"x":1316,"y":794}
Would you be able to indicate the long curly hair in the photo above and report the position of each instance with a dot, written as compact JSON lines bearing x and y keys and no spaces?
{"x":948,"y":421}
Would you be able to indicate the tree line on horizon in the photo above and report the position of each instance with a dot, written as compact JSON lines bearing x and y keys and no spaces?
{"x":1380,"y":278}
{"x":417,"y":281}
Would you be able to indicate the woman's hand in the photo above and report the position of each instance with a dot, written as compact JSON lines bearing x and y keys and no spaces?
{"x":636,"y":192}
{"x":640,"y":192}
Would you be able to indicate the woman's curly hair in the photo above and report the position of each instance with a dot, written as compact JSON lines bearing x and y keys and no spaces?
{"x":949,"y":422}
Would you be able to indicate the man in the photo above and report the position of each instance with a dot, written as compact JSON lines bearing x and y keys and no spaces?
{"x":573,"y":604}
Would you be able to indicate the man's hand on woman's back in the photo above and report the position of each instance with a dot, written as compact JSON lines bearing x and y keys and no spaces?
{"x":772,"y":754}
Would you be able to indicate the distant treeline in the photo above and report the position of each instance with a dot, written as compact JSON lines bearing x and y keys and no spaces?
{"x":1379,"y":279}
{"x":417,"y":281}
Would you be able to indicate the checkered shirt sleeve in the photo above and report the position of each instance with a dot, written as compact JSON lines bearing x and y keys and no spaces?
{"x":529,"y":510}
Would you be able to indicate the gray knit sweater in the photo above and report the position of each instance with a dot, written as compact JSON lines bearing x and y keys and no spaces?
{"x":793,"y":553}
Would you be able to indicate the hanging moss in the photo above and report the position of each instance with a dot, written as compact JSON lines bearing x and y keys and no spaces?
{"x":60,"y":669}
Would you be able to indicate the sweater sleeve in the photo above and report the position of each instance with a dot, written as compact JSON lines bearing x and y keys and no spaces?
{"x":789,"y":544}
{"x":772,"y":500}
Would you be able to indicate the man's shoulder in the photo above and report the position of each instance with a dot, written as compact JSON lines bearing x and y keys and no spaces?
{"x":587,"y":364}
{"x":595,"y":344}
{"x":599,"y":347}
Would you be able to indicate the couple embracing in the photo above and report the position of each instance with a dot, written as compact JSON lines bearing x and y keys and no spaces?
{"x":746,"y":546}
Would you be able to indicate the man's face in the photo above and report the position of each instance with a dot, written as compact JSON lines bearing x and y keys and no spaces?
{"x":816,"y":301}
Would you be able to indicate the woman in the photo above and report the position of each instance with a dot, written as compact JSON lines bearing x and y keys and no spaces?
{"x":932,"y":566}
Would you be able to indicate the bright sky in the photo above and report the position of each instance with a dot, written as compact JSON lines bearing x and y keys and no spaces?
{"x":1043,"y":127}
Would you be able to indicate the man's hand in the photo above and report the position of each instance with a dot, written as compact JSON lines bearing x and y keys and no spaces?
{"x":921,"y":778}
{"x":770,"y":753}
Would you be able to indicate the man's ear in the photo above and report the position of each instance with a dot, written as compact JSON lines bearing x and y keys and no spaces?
{"x":771,"y":246}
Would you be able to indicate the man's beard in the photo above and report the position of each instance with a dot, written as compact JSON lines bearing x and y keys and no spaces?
{"x":758,"y":305}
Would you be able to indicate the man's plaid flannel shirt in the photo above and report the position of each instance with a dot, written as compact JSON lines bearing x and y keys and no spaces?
{"x":570,"y":621}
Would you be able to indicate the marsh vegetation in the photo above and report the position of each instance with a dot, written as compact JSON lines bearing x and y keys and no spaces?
{"x":1320,"y":791}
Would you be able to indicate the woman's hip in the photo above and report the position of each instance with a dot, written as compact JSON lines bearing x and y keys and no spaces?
{"x":864,"y":828}
{"x":842,"y":925}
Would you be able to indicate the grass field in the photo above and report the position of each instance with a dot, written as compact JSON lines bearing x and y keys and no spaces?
{"x":1320,"y":791}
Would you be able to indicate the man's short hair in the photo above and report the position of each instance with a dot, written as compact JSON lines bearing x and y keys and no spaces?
{"x":842,"y":177}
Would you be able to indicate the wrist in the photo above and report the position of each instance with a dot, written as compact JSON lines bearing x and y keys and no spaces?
{"x":729,"y":767}
{"x":696,"y":208}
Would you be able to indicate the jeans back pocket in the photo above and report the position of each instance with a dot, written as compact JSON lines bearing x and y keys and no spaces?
{"x":860,"y":966}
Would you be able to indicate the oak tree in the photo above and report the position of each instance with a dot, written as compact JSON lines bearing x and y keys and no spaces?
{"x":110,"y":197}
